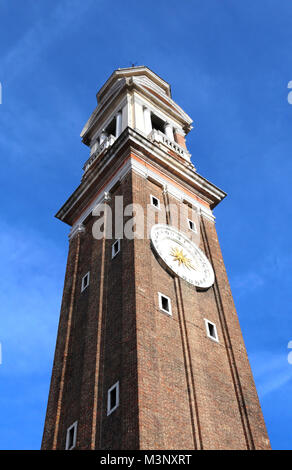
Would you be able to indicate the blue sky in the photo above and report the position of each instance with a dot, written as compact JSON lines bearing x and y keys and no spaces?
{"x":229,"y":64}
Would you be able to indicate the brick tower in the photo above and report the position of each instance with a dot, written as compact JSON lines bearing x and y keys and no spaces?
{"x":149,"y":353}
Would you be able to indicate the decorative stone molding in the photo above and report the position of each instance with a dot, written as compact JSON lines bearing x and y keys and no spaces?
{"x":169,"y":131}
{"x":179,"y":131}
{"x":212,"y":194}
{"x":147,"y":120}
{"x":118,"y":123}
{"x":165,"y":189}
{"x":97,"y":149}
{"x":162,"y":139}
{"x":138,"y":168}
{"x":76,"y":229}
{"x":135,"y":81}
{"x":106,"y":196}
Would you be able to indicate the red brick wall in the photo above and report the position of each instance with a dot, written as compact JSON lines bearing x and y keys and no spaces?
{"x":178,"y":388}
{"x":188,"y":395}
{"x":180,"y":139}
{"x":102,"y":347}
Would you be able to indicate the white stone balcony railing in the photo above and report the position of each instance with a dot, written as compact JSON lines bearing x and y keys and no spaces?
{"x":97,"y":149}
{"x":159,"y":137}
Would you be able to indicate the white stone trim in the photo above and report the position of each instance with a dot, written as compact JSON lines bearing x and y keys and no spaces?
{"x":147,"y":119}
{"x":164,"y":116}
{"x":83,"y":285}
{"x":99,"y":111}
{"x":76,"y":228}
{"x":168,"y":312}
{"x":140,"y":169}
{"x":141,"y":85}
{"x":178,"y":130}
{"x":126,"y":113}
{"x":195,"y":230}
{"x":171,"y":107}
{"x":143,"y":80}
{"x":187,"y":172}
{"x":139,"y":115}
{"x":151,"y":202}
{"x":163,"y":139}
{"x":113,"y":89}
{"x":168,"y":129}
{"x":213,"y":338}
{"x":74,"y":426}
{"x":117,"y":387}
{"x":114,"y":253}
{"x":104,"y":124}
{"x":98,"y":147}
{"x":131,"y":72}
{"x":106,"y":196}
{"x":172,"y":190}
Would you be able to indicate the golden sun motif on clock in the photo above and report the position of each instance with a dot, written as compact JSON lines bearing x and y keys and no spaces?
{"x":181,"y":258}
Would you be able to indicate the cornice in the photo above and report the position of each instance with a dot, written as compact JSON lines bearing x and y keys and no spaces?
{"x":132,"y":72}
{"x":132,"y":165}
{"x":131,"y":140}
{"x":182,"y":169}
{"x":77,"y":229}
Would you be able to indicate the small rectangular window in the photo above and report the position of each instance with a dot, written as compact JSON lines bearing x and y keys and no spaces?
{"x":85,"y":282}
{"x":112,"y":398}
{"x":211,"y":330}
{"x":155,"y":202}
{"x":192,"y":226}
{"x":116,"y":248}
{"x":164,"y":303}
{"x":71,"y":436}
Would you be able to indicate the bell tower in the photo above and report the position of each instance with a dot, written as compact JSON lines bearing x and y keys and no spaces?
{"x":149,"y":353}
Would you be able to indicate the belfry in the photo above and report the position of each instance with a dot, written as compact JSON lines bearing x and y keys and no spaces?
{"x":149,"y":353}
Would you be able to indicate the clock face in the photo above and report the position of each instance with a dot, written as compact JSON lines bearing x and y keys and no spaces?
{"x":182,"y":256}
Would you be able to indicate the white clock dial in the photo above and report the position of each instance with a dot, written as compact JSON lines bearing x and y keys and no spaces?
{"x":182,"y":256}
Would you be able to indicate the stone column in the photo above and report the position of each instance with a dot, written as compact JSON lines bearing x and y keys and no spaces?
{"x":102,"y":137}
{"x":118,"y":124}
{"x":168,"y":131}
{"x":147,"y":120}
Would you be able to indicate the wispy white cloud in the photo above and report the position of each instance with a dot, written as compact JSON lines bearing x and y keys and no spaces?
{"x":38,"y":136}
{"x":272,"y":267}
{"x":271,"y":370}
{"x":247,"y":281}
{"x":41,"y":35}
